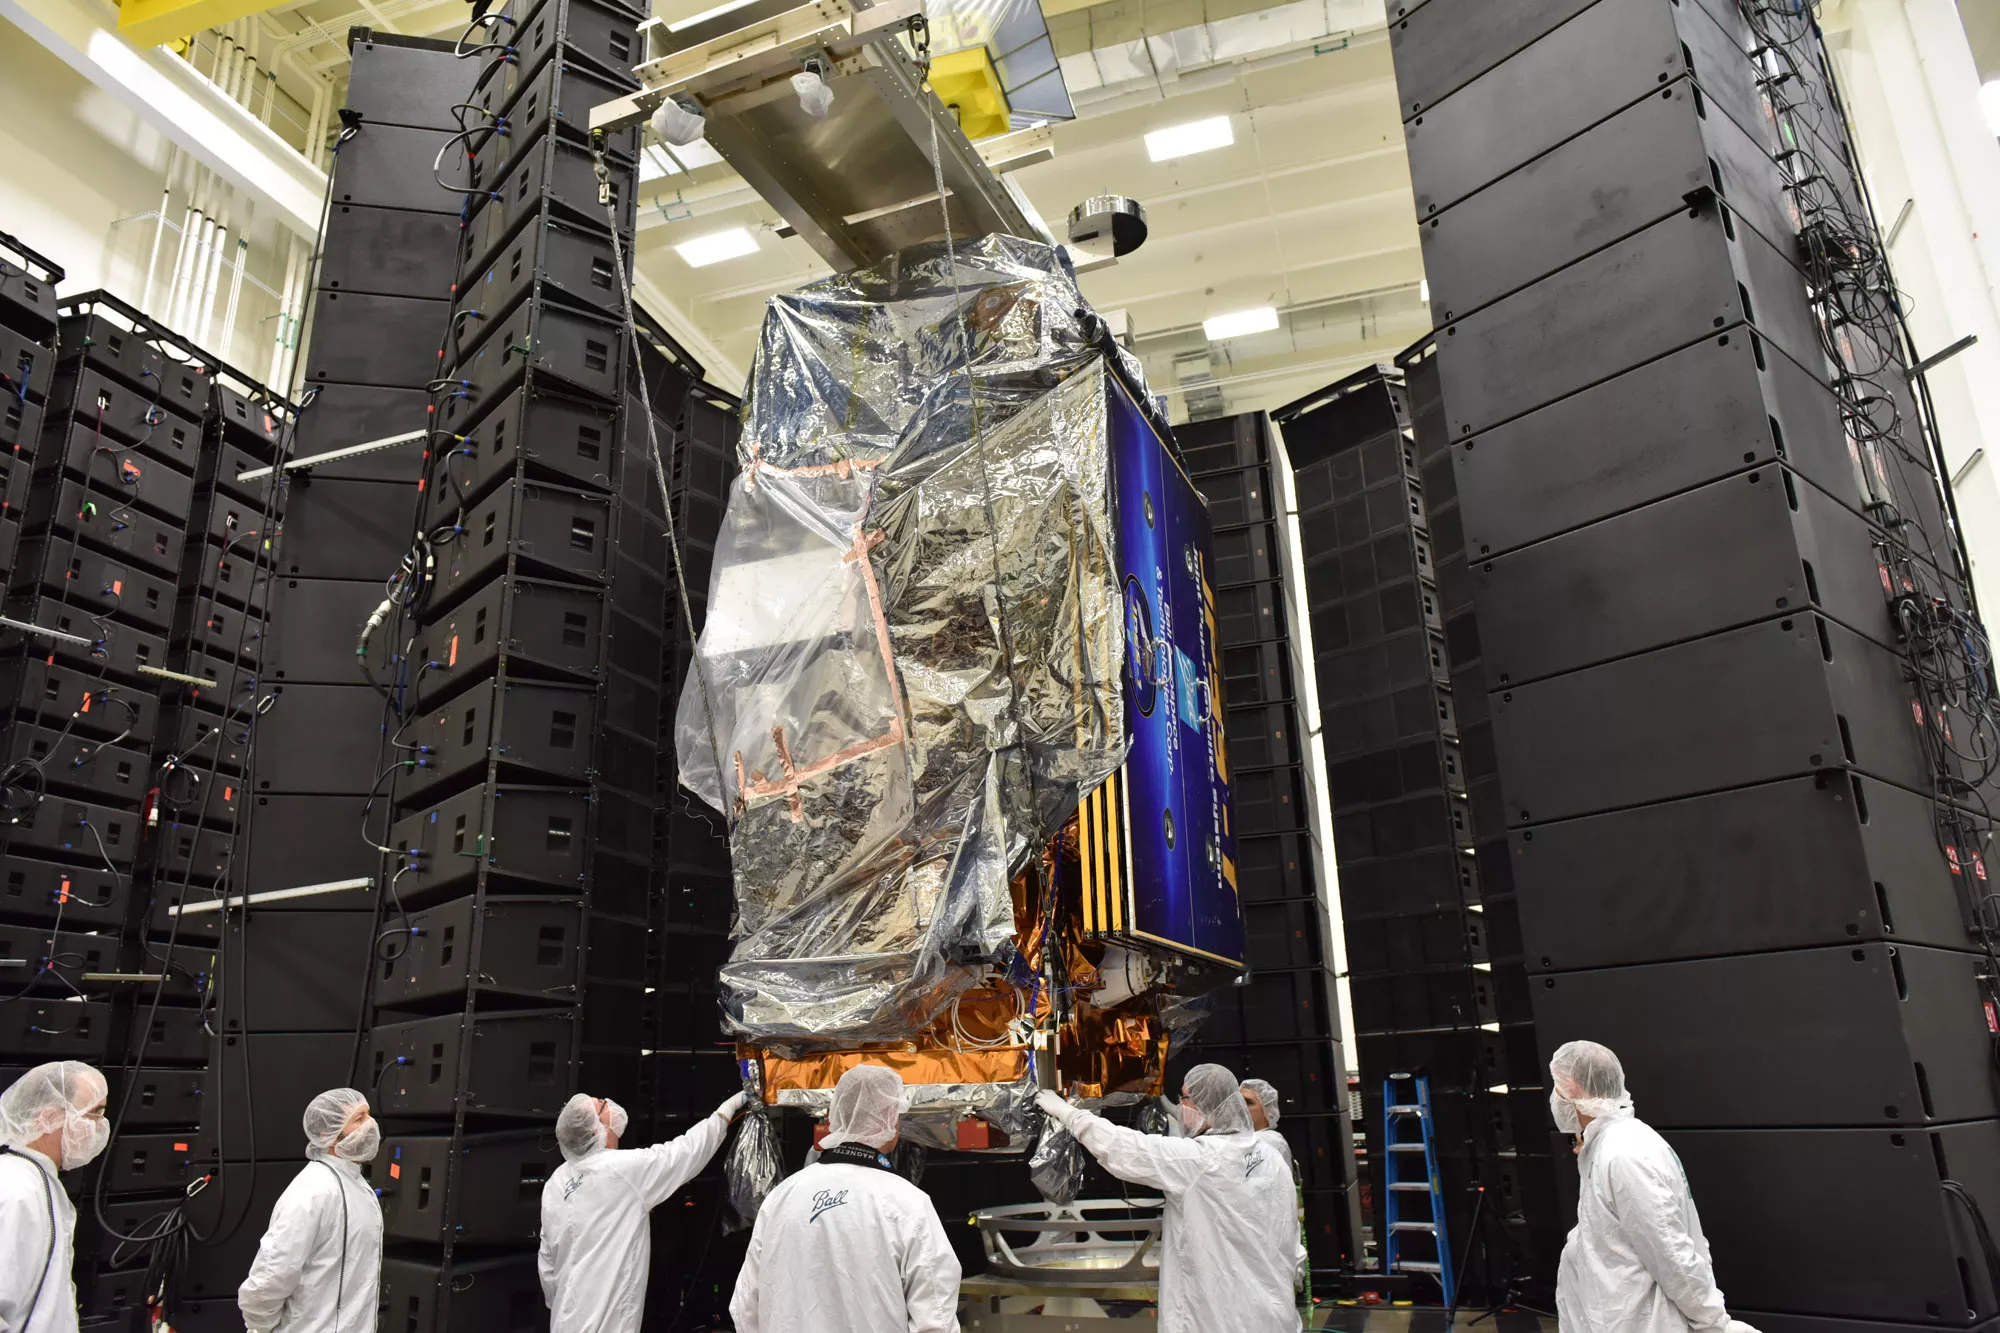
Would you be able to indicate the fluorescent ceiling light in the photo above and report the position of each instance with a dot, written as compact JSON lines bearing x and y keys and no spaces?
{"x":717,"y":246}
{"x":1237,"y":323}
{"x":706,"y":15}
{"x":693,"y":155}
{"x":1197,"y":136}
{"x":1424,"y":290}
{"x":1989,"y":102}
{"x":655,"y":163}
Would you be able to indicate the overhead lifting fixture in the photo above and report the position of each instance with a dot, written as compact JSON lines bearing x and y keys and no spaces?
{"x":856,"y":180}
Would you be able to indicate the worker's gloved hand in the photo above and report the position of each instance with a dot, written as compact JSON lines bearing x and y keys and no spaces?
{"x":1054,"y":1107}
{"x":729,"y":1109}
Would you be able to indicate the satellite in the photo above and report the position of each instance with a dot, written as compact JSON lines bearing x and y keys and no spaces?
{"x":957,"y":690}
{"x":958,"y":694}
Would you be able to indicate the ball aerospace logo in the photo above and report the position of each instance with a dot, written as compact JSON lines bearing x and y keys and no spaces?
{"x":824,"y":1200}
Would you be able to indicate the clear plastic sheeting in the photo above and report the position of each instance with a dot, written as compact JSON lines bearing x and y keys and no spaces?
{"x":910,"y":664}
{"x":1056,"y":1166}
{"x":912,"y":1159}
{"x":934,"y":1109}
{"x":754,"y":1167}
{"x":1184,"y":1015}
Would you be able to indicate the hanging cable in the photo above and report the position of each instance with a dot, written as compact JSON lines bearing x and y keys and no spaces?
{"x":607,"y":197}
{"x":1899,"y":461}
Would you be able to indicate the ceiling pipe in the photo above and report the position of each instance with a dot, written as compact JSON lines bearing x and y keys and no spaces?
{"x":1096,"y":102}
{"x":159,"y":227}
{"x":283,"y":320}
{"x":204,"y":313}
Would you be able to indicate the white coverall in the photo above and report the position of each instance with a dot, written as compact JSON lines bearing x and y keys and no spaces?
{"x":1637,"y":1261}
{"x":597,"y":1245}
{"x":303,"y":1281}
{"x":1276,"y":1142}
{"x":1229,"y":1247}
{"x":28,"y":1187}
{"x":840,"y":1248}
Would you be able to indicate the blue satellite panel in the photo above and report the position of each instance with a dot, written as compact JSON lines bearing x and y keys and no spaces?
{"x":1178,"y":844}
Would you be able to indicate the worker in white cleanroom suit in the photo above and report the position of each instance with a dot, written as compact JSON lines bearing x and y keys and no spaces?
{"x":847,"y":1245}
{"x":1229,"y":1248}
{"x":51,"y":1119}
{"x":597,"y":1244}
{"x":320,"y":1262}
{"x":1261,"y":1100}
{"x":1636,"y":1261}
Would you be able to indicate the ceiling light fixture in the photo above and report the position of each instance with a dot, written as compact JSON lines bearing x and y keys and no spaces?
{"x":1989,"y":102}
{"x":1237,"y":323}
{"x":1424,"y":290}
{"x":655,"y":162}
{"x":716,"y":247}
{"x":691,"y":20}
{"x":1197,"y":136}
{"x":694,"y":155}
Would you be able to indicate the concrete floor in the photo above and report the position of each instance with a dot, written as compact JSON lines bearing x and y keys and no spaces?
{"x":1028,"y":1313}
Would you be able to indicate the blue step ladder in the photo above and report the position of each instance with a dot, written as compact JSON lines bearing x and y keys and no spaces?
{"x":1416,"y":1240}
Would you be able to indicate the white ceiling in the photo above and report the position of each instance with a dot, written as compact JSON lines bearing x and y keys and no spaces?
{"x":1309,"y":210}
{"x":1982,"y":29}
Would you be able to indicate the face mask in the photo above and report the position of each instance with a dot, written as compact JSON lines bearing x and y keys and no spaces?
{"x":83,"y":1138}
{"x":362,"y":1144}
{"x":1191,"y":1119}
{"x":619,"y":1120}
{"x":1564,"y":1110}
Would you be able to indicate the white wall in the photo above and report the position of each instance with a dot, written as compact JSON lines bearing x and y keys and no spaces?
{"x":1912,"y":88}
{"x":78,"y":174}
{"x":75,"y":162}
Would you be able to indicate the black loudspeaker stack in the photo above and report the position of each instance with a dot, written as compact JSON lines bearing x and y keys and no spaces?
{"x":287,"y":1027}
{"x":297,"y":957}
{"x":1432,"y":993}
{"x":689,"y":1063}
{"x":1723,"y":701}
{"x":523,"y":762}
{"x":27,"y":364}
{"x":1283,"y":1023}
{"x":144,"y":566}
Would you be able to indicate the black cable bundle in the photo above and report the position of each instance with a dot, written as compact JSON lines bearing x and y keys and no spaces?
{"x":406,"y":591}
{"x":1947,"y":655}
{"x":23,"y":784}
{"x":168,"y":1236}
